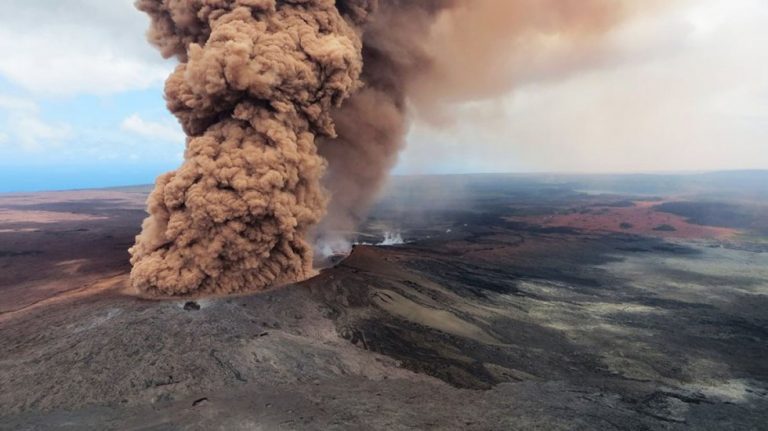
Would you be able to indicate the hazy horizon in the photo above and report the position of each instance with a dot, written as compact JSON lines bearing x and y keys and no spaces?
{"x":72,"y":178}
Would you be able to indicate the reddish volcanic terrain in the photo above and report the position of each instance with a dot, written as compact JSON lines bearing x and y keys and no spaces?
{"x":52,"y":244}
{"x":639,"y":218}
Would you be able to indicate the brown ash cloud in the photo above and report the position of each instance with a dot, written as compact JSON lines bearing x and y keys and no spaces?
{"x":295,"y":111}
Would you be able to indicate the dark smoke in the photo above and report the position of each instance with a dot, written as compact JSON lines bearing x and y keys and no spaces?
{"x":271,"y":91}
{"x":420,"y":57}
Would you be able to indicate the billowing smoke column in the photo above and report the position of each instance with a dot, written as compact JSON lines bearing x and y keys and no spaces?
{"x":255,"y":86}
{"x":271,"y":92}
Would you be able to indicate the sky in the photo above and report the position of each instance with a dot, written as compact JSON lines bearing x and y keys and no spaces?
{"x":684,"y":88}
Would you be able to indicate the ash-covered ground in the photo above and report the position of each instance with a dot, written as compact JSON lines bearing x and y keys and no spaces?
{"x":513,"y":302}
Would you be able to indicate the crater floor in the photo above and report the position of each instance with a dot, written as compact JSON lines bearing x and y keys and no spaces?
{"x":513,"y":303}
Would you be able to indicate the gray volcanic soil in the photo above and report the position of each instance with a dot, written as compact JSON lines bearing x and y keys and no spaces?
{"x":477,"y":322}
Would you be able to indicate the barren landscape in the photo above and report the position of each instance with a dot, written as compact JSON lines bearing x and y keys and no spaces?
{"x":514,"y":302}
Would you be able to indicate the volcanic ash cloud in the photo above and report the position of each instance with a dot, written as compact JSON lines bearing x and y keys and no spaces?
{"x":260,"y":91}
{"x":254,"y":88}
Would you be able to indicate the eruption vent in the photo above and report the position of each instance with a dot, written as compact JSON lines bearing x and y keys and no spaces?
{"x":271,"y":92}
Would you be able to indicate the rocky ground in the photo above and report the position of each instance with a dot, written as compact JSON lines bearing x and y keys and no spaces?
{"x":490,"y":316}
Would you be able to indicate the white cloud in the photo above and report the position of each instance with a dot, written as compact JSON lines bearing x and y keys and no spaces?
{"x":33,"y":133}
{"x":16,"y":104}
{"x":163,"y":131}
{"x":67,"y":47}
{"x":23,"y":125}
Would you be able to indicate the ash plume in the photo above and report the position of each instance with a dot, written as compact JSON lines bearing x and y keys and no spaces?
{"x":255,"y":86}
{"x":423,"y":57}
{"x":273,"y":92}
